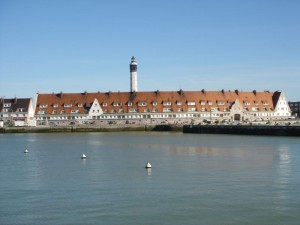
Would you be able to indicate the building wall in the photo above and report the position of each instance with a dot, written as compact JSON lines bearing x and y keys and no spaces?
{"x":170,"y":106}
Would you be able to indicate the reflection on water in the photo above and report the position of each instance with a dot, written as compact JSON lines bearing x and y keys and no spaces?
{"x":214,"y":179}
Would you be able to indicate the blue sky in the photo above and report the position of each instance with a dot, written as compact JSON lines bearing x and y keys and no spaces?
{"x":76,"y":46}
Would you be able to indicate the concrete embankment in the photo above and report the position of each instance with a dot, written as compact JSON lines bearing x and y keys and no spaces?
{"x":90,"y":129}
{"x":244,"y":129}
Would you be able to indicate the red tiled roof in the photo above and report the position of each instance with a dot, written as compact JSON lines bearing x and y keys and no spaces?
{"x":247,"y":100}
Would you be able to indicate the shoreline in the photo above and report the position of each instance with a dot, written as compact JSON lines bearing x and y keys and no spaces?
{"x":70,"y":129}
{"x":271,"y":130}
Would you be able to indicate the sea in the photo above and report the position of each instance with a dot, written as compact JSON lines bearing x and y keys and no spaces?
{"x":194,"y":179}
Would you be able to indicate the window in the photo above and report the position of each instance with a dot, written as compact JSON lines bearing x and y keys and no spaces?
{"x":154,"y":103}
{"x":265,"y":103}
{"x":180,"y":110}
{"x":75,"y":111}
{"x":117,"y":104}
{"x":133,"y":110}
{"x":191,"y":103}
{"x":54,"y":111}
{"x":146,"y":110}
{"x":142,"y":104}
{"x":203,"y":109}
{"x":42,"y":112}
{"x":21,"y":110}
{"x":255,"y":103}
{"x":179,"y":103}
{"x":167,"y":103}
{"x":209,"y":102}
{"x":191,"y":109}
{"x":79,"y":104}
{"x":121,"y":110}
{"x":202,"y":102}
{"x":42,"y":106}
{"x":62,"y":112}
{"x":167,"y":109}
{"x":113,"y":111}
{"x":220,"y":103}
{"x":155,"y":110}
{"x":67,"y":105}
{"x":7,"y":104}
{"x":247,"y":103}
{"x":255,"y":109}
{"x":55,"y":105}
{"x":104,"y":104}
{"x":129,"y":104}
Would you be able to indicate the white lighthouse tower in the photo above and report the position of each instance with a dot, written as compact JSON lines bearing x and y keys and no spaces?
{"x":133,"y":75}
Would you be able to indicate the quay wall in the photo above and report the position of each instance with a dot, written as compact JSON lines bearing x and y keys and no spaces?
{"x":243,"y":129}
{"x":111,"y":128}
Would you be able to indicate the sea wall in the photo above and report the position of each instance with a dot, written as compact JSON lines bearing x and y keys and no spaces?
{"x":111,"y":128}
{"x":243,"y":129}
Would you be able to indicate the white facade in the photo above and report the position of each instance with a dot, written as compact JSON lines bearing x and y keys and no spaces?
{"x":282,"y":107}
{"x":95,"y":110}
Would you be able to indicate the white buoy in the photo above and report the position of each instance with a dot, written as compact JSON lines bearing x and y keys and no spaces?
{"x":148,"y":165}
{"x":26,"y":151}
{"x":83,"y":156}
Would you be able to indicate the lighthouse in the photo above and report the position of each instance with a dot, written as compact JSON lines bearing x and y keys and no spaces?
{"x":133,"y":75}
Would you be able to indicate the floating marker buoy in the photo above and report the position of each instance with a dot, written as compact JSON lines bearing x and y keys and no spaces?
{"x":148,"y":165}
{"x":26,"y":151}
{"x":83,"y":156}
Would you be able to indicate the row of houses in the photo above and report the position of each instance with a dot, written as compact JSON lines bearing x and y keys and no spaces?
{"x":144,"y":107}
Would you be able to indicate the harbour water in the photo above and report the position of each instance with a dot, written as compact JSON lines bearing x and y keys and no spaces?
{"x":195,"y":179}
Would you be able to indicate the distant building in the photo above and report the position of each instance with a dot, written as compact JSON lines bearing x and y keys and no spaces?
{"x":17,"y":112}
{"x":171,"y":106}
{"x":295,"y":108}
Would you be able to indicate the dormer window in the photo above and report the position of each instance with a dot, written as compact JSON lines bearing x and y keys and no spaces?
{"x":55,"y":105}
{"x":7,"y":105}
{"x":67,"y":105}
{"x":142,"y":103}
{"x":62,"y":112}
{"x":209,"y":102}
{"x":202,"y":102}
{"x":247,"y":103}
{"x":167,"y":103}
{"x":191,"y":103}
{"x":43,"y":106}
{"x":104,"y":104}
{"x":129,"y":103}
{"x":255,"y":103}
{"x":42,"y":112}
{"x":79,"y":104}
{"x":154,"y":103}
{"x":220,"y":103}
{"x":75,"y":111}
{"x":117,"y":104}
{"x":21,"y":110}
{"x":179,"y":103}
{"x":265,"y":103}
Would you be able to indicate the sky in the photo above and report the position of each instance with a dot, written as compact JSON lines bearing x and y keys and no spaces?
{"x":86,"y":45}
